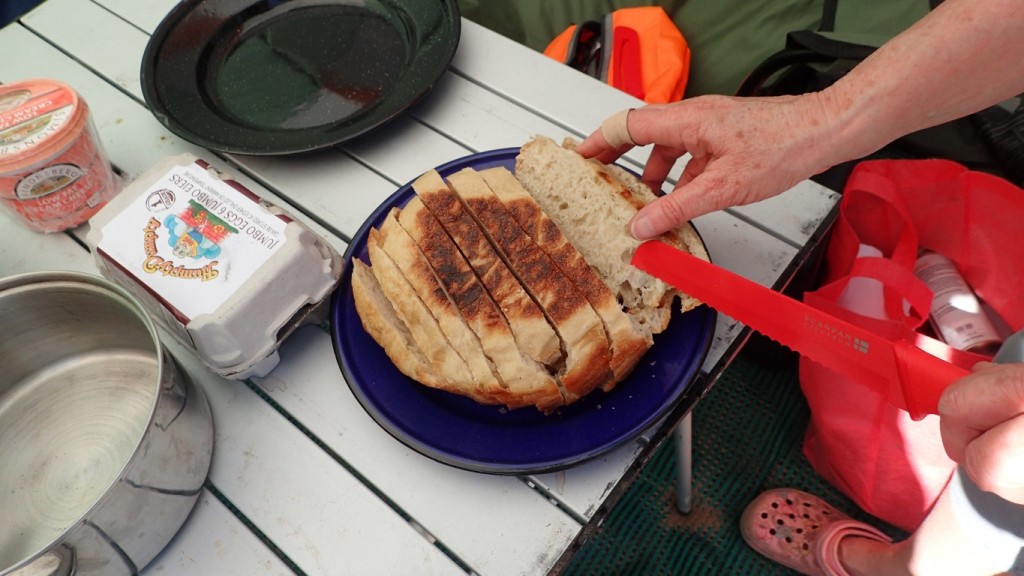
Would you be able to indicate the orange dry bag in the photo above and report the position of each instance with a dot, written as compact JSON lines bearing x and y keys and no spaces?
{"x":637,"y":50}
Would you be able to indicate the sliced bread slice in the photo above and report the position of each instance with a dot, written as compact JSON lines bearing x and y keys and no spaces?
{"x":586,"y":347}
{"x":525,"y":380}
{"x":403,"y":250}
{"x":592,"y":204}
{"x":628,"y":341}
{"x":382,"y":323}
{"x":422,"y":326}
{"x":531,"y":329}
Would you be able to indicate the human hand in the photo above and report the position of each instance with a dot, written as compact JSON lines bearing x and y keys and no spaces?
{"x":741,"y":150}
{"x":982,"y":425}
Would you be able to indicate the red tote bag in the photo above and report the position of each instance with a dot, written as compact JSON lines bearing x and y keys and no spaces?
{"x":894,"y":467}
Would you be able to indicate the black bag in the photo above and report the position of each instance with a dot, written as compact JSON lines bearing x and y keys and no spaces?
{"x":991,"y":140}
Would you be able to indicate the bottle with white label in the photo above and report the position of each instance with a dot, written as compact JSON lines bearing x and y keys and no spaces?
{"x":956,"y":313}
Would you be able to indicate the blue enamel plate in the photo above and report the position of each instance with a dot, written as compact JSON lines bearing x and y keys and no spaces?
{"x":492,"y":439}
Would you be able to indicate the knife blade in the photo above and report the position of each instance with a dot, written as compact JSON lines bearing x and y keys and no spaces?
{"x":905,"y":375}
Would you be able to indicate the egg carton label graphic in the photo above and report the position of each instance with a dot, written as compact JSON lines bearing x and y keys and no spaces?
{"x":193,"y":239}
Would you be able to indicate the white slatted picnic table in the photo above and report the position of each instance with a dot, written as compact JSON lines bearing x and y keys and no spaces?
{"x":303,"y":481}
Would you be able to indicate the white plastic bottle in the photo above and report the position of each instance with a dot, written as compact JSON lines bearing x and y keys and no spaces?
{"x":956,"y":313}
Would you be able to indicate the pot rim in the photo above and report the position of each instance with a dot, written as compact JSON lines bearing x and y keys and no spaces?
{"x":95,"y":282}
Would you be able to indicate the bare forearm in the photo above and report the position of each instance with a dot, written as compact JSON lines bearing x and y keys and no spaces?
{"x":964,"y":56}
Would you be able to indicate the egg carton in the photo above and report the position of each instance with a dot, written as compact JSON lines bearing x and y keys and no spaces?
{"x":229,"y":274}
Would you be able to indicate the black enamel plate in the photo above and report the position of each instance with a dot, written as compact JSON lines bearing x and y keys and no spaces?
{"x":287,"y":76}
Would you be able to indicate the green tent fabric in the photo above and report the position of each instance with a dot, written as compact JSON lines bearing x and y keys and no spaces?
{"x":872,"y":22}
{"x":727,"y":38}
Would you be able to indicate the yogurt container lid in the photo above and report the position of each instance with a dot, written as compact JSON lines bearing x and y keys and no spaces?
{"x":38,"y":118}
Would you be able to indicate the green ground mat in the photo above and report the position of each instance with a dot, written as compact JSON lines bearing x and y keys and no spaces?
{"x":747,"y":435}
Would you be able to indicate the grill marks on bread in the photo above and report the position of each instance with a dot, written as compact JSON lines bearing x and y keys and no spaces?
{"x":529,"y":326}
{"x":524,"y":381}
{"x":587,"y":350}
{"x":517,"y":290}
{"x":628,"y":342}
{"x":423,"y":327}
{"x":421,"y":285}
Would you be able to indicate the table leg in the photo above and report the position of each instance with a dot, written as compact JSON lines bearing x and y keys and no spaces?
{"x":684,"y":463}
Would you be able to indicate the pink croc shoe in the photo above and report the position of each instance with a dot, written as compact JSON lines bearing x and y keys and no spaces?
{"x":801,"y":531}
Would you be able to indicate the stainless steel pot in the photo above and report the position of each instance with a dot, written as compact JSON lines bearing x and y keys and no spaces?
{"x":104,"y":444}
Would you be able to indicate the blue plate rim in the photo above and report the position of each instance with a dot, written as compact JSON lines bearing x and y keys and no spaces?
{"x":703,"y":315}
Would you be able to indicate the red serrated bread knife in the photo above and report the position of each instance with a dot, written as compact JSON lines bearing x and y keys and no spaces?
{"x":909,"y":377}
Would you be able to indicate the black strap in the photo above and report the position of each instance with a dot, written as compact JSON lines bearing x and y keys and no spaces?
{"x":808,"y":48}
{"x":828,"y":47}
{"x":803,"y":47}
{"x":828,"y":15}
{"x":1004,"y":132}
{"x":783,"y":60}
{"x":585,"y":48}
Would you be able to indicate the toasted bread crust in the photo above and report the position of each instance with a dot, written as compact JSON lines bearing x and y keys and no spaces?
{"x":523,"y":383}
{"x":404,"y":252}
{"x":529,"y":326}
{"x":628,"y":344}
{"x":381,"y":322}
{"x":425,"y":331}
{"x":517,"y":289}
{"x":586,"y":347}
